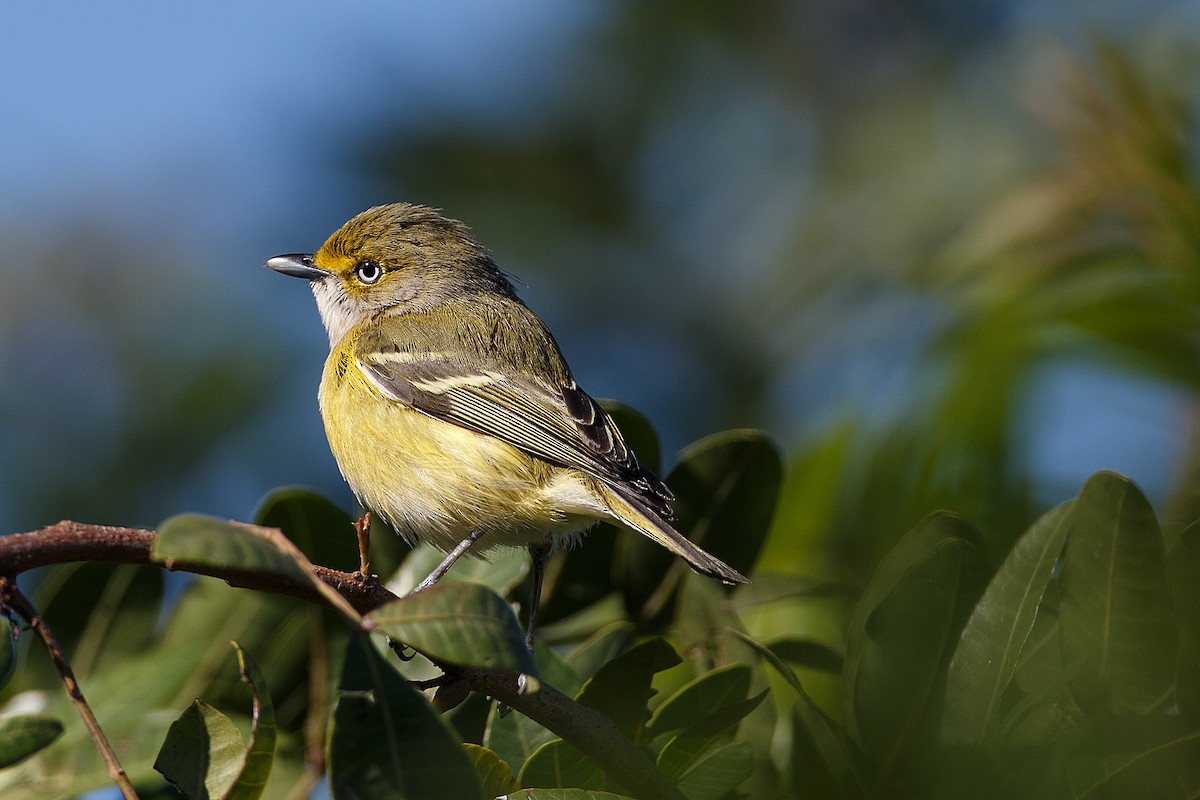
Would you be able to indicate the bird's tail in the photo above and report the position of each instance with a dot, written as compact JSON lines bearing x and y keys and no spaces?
{"x":633,"y":514}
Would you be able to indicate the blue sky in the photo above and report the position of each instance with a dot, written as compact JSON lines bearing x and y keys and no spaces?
{"x":218,"y":110}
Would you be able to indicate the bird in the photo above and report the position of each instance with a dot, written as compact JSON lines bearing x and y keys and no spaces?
{"x":450,"y":409}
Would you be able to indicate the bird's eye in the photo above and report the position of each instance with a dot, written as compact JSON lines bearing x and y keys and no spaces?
{"x":368,"y":271}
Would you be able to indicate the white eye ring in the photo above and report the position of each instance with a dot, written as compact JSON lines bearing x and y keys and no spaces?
{"x":368,"y":271}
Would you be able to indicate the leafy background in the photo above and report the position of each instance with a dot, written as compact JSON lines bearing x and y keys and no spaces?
{"x":945,"y":254}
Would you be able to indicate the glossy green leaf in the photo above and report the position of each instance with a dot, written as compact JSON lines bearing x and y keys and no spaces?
{"x":387,"y":743}
{"x":197,"y":539}
{"x":808,"y":653}
{"x":564,"y":794}
{"x":995,"y":634}
{"x":116,"y":622}
{"x":903,"y":634}
{"x":554,"y":670}
{"x":514,"y":736}
{"x":558,"y":764}
{"x":827,"y":737}
{"x":699,"y":697}
{"x":1183,"y":574}
{"x":501,"y":570}
{"x":601,"y":647}
{"x":1041,"y":687}
{"x":322,"y":531}
{"x":726,"y":486}
{"x":1151,"y":756}
{"x":22,"y":736}
{"x":717,"y":772}
{"x":261,"y":753}
{"x":495,"y":776}
{"x":621,"y":689}
{"x":1119,"y":634}
{"x":325,"y":533}
{"x":688,"y":748}
{"x":204,"y":754}
{"x":458,"y":623}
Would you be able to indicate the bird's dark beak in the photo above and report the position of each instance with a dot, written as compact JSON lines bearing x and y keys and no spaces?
{"x":298,"y":265}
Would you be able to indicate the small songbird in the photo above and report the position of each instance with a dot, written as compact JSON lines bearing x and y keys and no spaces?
{"x":450,"y":409}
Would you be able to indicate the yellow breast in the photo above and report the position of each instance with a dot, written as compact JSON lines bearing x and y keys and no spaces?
{"x":437,"y":482}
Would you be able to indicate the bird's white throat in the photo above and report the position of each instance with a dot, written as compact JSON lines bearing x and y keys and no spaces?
{"x":338,"y":312}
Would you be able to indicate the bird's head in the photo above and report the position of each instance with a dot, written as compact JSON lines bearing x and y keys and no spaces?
{"x":393,"y":259}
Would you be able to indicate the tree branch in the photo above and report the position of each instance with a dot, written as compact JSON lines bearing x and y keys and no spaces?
{"x":589,"y":730}
{"x":66,"y":542}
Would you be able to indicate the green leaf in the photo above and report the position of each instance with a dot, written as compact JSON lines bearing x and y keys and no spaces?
{"x":8,"y":653}
{"x":903,"y":633}
{"x":325,"y":533}
{"x":22,"y":736}
{"x":698,"y":698}
{"x":601,"y":647}
{"x":261,"y":753}
{"x":502,"y":570}
{"x":1183,"y":574}
{"x":688,"y":748}
{"x":200,"y":540}
{"x":996,"y":632}
{"x":204,"y":754}
{"x":322,"y":531}
{"x":1119,"y":634}
{"x":387,"y":743}
{"x":117,"y":620}
{"x":557,"y":764}
{"x":514,"y":736}
{"x":827,"y":738}
{"x":1153,"y":756}
{"x":726,"y":486}
{"x":564,"y":794}
{"x":495,"y":776}
{"x":622,"y":688}
{"x":808,"y":653}
{"x":458,"y":623}
{"x":718,"y":772}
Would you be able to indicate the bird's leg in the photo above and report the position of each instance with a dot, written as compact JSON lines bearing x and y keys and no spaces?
{"x":362,"y":527}
{"x":441,"y":569}
{"x":538,"y":554}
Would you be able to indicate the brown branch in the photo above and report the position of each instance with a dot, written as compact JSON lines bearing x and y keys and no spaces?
{"x":590,"y":731}
{"x":593,"y":733}
{"x":11,"y":597}
{"x":66,"y":542}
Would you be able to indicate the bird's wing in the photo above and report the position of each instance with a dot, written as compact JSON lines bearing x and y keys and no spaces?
{"x":562,"y":425}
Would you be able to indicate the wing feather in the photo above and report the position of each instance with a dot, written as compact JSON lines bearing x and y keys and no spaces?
{"x":567,"y":427}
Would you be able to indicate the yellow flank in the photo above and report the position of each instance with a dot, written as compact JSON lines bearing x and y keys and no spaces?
{"x":439,"y":482}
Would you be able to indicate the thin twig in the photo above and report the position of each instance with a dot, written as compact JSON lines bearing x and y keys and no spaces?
{"x":11,"y":596}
